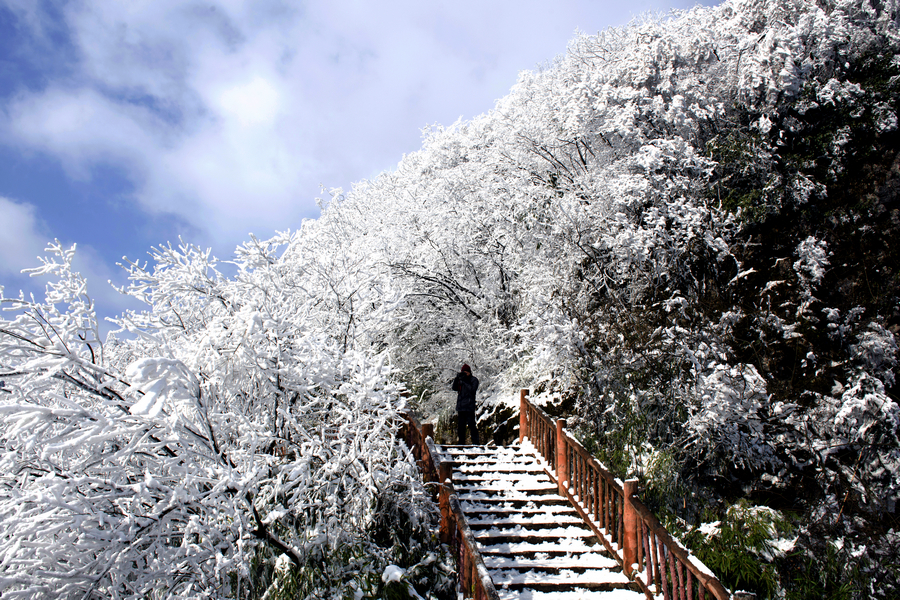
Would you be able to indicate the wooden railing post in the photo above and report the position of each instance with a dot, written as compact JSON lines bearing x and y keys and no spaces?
{"x":523,"y":416}
{"x":445,"y":472}
{"x":562,"y":459}
{"x":427,"y":431}
{"x":631,"y":525}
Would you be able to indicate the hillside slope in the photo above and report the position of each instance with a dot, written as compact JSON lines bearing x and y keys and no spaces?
{"x":684,"y":233}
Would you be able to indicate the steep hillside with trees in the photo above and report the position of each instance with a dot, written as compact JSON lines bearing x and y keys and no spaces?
{"x":685,"y":231}
{"x":681,"y":233}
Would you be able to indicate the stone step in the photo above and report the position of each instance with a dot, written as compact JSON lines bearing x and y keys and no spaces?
{"x":507,"y":478}
{"x":483,"y":512}
{"x":509,"y":453}
{"x":494,"y":536}
{"x":487,"y":460}
{"x":534,"y":549}
{"x":526,"y":502}
{"x":505,"y":467}
{"x":502,"y":476}
{"x":501,"y":487}
{"x":481,"y":495}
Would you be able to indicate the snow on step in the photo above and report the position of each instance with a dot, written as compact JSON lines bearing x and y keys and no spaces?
{"x":593,"y":578}
{"x":470,"y":468}
{"x":524,"y":505}
{"x":519,"y":531}
{"x":512,"y":519}
{"x":582,"y":560}
{"x":619,"y":594}
{"x":504,"y":486}
{"x":505,"y":478}
{"x":519,"y":496}
{"x":533,"y":542}
{"x":563,"y":546}
{"x":523,"y":508}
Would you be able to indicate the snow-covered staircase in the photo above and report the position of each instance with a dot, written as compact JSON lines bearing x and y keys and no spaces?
{"x":511,"y":517}
{"x":533,"y":542}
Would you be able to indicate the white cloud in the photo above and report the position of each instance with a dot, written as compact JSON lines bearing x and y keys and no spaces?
{"x":84,"y":127}
{"x":252,"y":104}
{"x":232,"y":114}
{"x":21,"y":237}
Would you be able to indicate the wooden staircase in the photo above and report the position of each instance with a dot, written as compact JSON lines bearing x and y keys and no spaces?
{"x":533,"y":542}
{"x":544,"y":520}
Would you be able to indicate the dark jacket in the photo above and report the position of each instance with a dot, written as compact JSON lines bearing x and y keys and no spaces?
{"x":465,"y":388}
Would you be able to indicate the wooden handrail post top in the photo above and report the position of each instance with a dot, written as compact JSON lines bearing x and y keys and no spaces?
{"x":445,"y":471}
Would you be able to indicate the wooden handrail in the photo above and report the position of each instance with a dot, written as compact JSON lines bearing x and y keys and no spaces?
{"x":539,"y":429}
{"x":416,"y":435}
{"x":474,"y":579}
{"x":609,"y":506}
{"x":656,"y":548}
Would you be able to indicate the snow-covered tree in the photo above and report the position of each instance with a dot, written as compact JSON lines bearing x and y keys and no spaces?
{"x":229,"y":425}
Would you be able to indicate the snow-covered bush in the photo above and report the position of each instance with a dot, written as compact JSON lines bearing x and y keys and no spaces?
{"x":226,"y":429}
{"x":742,"y":546}
{"x":726,"y":425}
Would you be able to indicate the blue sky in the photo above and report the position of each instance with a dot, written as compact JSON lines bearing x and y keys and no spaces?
{"x":127,"y":123}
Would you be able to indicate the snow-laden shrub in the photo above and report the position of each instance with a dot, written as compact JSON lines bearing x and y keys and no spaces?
{"x":741,"y":546}
{"x":810,"y":268}
{"x":812,"y":262}
{"x":227,"y":428}
{"x":843,"y":564}
{"x":856,"y":443}
{"x":875,"y":351}
{"x":726,"y":424}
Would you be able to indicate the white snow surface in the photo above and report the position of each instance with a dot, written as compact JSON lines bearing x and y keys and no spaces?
{"x":593,"y":576}
{"x":591,"y":560}
{"x":523,"y":530}
{"x":573,"y":595}
{"x":563,"y":545}
{"x":522,"y":519}
{"x":550,"y":544}
{"x":392,"y":573}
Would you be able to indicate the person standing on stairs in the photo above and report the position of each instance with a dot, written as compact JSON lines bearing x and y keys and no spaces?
{"x":465,"y":385}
